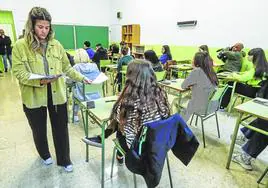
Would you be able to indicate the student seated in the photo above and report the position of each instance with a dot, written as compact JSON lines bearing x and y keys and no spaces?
{"x":166,"y":55}
{"x":91,"y":71}
{"x":204,"y":48}
{"x":251,"y":76}
{"x":100,"y":54}
{"x":124,"y":45}
{"x":141,"y":101}
{"x":89,"y":50}
{"x":255,"y":144}
{"x":124,"y":60}
{"x":151,"y":56}
{"x":202,"y":81}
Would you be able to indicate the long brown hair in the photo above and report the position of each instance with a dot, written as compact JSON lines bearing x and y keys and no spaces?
{"x":201,"y":59}
{"x":141,"y":84}
{"x":36,"y":13}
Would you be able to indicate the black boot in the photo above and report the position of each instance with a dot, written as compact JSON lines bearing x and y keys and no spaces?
{"x":5,"y":69}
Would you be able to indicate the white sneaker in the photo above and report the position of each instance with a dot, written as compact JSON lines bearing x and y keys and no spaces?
{"x":76,"y":119}
{"x":68,"y":168}
{"x":48,"y":161}
{"x":240,"y":139}
{"x":242,"y":161}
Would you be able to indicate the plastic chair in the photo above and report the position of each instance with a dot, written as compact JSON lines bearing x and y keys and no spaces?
{"x":87,"y":89}
{"x":118,"y":147}
{"x":214,"y":97}
{"x":105,"y":62}
{"x":160,"y":75}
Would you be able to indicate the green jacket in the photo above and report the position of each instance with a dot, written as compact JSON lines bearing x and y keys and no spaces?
{"x":247,"y":74}
{"x":233,"y":62}
{"x":27,"y":61}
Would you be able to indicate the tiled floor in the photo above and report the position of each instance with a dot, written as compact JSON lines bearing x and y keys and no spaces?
{"x":20,"y":165}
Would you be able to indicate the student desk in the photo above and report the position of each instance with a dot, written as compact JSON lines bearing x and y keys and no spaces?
{"x":250,"y":109}
{"x":174,"y":88}
{"x":225,"y":76}
{"x":100,"y":115}
{"x":181,"y":67}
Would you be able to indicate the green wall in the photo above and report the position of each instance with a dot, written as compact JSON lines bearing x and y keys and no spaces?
{"x":180,"y":53}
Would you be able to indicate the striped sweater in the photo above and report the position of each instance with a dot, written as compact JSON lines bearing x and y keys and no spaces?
{"x":150,"y":113}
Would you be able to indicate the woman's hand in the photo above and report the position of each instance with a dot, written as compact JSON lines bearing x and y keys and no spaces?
{"x":87,"y":81}
{"x":47,"y":81}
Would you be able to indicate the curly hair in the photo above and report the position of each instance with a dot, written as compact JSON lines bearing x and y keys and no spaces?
{"x":36,"y":13}
{"x":141,"y":84}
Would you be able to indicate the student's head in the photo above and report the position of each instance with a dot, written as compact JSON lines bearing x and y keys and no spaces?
{"x":115,"y":48}
{"x":81,"y":56}
{"x":38,"y":27}
{"x":201,"y":59}
{"x":2,"y":32}
{"x":257,"y":56}
{"x":98,"y":46}
{"x":87,"y":44}
{"x":237,"y":47}
{"x":122,"y":44}
{"x":203,"y":48}
{"x":124,"y":50}
{"x":151,"y":56}
{"x":141,"y":84}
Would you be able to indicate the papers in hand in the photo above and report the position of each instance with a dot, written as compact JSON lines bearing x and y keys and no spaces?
{"x":100,"y":78}
{"x":39,"y":76}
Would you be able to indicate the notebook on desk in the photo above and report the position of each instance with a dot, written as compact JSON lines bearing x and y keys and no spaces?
{"x":261,"y":101}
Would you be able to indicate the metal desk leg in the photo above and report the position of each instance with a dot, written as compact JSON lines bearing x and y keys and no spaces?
{"x":230,"y":106}
{"x":233,"y":140}
{"x":86,"y":133}
{"x":179,"y":102}
{"x":102,"y":152}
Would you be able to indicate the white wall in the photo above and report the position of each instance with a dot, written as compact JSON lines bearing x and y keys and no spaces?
{"x":220,"y":23}
{"x":80,"y":12}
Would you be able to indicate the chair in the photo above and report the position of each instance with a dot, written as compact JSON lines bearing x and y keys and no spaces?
{"x":105,"y":62}
{"x":214,"y":97}
{"x":118,"y":147}
{"x":160,"y":75}
{"x":87,"y":89}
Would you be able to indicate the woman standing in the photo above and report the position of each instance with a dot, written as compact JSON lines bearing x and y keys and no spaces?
{"x":39,"y":53}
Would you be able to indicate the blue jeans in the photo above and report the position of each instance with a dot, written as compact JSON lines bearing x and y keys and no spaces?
{"x":5,"y":57}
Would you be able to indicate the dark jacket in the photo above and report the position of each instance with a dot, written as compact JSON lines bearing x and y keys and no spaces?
{"x":5,"y":45}
{"x":100,"y":54}
{"x":172,"y":133}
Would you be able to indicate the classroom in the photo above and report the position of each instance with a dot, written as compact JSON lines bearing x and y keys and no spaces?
{"x":119,"y":93}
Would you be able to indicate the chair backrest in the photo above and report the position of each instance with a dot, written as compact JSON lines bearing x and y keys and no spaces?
{"x":217,"y":96}
{"x":124,"y":68}
{"x":105,"y":62}
{"x":160,"y":75}
{"x":94,"y":90}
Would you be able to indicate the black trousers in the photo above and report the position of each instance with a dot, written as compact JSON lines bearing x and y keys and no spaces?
{"x":121,"y":138}
{"x":240,"y":88}
{"x":257,"y":142}
{"x":37,"y":119}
